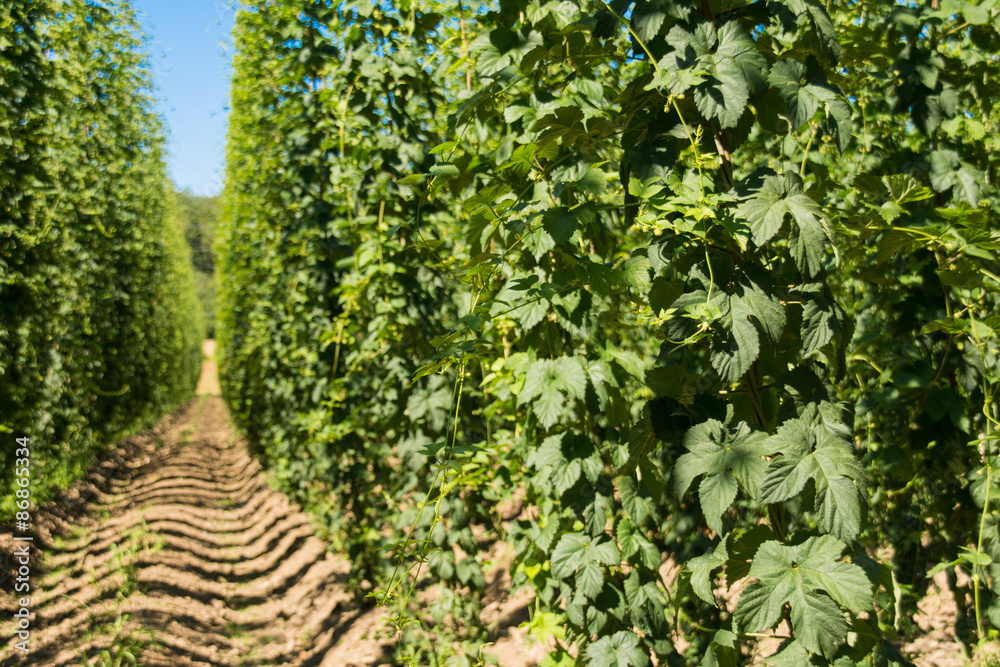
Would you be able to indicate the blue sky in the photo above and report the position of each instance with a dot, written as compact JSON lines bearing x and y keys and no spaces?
{"x":191,"y":71}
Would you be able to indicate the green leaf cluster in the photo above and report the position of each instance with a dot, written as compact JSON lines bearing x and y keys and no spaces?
{"x":100,"y":333}
{"x":710,"y":284}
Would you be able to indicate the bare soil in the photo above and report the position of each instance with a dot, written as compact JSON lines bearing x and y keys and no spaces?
{"x":182,"y":537}
{"x":208,"y":383}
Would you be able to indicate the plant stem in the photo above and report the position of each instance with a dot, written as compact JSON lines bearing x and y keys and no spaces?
{"x":805,"y":154}
{"x":979,"y":545}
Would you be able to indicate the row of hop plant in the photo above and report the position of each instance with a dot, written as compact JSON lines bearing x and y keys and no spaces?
{"x":708,"y":285}
{"x":99,"y":329}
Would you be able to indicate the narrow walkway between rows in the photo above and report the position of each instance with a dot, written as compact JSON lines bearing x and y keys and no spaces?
{"x":179,"y":551}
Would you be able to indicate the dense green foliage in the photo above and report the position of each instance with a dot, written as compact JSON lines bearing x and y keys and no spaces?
{"x":200,"y":217}
{"x":706,"y":283}
{"x":99,"y":329}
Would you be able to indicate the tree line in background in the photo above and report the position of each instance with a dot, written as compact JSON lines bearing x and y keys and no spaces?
{"x":100,"y":330}
{"x":709,"y":283}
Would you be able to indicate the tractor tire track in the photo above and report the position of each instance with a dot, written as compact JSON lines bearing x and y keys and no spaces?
{"x":177,"y":538}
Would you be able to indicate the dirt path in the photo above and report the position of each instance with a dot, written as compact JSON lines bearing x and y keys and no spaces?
{"x":208,"y":383}
{"x":181,"y":537}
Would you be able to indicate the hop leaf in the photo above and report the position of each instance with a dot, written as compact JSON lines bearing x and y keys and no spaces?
{"x":546,"y":625}
{"x":583,"y":556}
{"x":805,"y":91}
{"x":621,"y":649}
{"x":811,"y":578}
{"x":810,"y":450}
{"x":948,"y":172}
{"x":723,"y":457}
{"x":633,"y":542}
{"x":735,"y":342}
{"x":549,"y":382}
{"x":809,"y":232}
{"x":814,"y":16}
{"x":560,"y":223}
{"x":723,"y":650}
{"x":756,"y":292}
{"x":701,"y":569}
{"x":726,"y":61}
